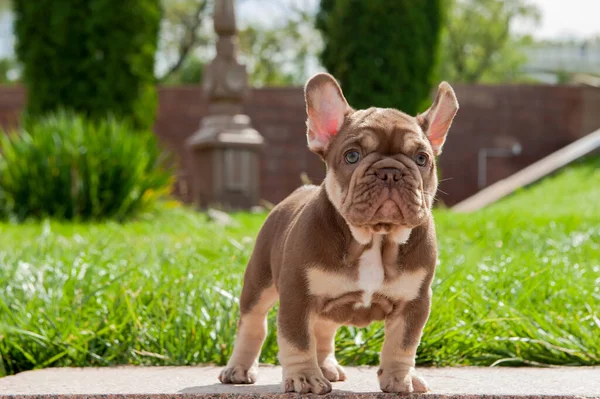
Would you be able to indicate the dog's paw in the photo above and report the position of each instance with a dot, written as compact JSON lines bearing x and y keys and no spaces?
{"x":238,"y":375}
{"x":333,"y":371}
{"x":305,"y":381}
{"x":401,"y":380}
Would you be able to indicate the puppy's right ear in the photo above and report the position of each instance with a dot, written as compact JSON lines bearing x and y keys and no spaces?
{"x":326,"y":108}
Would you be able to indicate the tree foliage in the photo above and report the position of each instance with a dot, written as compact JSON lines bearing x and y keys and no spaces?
{"x":185,"y":27}
{"x":383,"y":52}
{"x":6,"y":66}
{"x":189,"y":73}
{"x":275,"y":53}
{"x":95,"y":57}
{"x":280,"y":54}
{"x":478,"y":44}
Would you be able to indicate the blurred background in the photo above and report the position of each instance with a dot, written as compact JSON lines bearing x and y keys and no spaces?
{"x":526,"y":73}
{"x":120,"y":120}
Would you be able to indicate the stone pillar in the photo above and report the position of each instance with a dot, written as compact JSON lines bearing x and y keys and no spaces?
{"x":224,"y":152}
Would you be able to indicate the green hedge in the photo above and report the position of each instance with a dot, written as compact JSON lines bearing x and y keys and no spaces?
{"x":67,"y":167}
{"x":95,"y":57}
{"x":383,"y":52}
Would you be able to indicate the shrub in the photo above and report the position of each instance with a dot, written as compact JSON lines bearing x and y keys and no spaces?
{"x":68,"y":167}
{"x":3,"y":206}
{"x":95,"y":57}
{"x":383,"y":52}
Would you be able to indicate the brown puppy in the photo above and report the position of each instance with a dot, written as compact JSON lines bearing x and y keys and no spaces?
{"x":360,"y":247}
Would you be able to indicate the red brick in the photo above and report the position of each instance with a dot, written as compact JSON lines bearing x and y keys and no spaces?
{"x":542,"y":118}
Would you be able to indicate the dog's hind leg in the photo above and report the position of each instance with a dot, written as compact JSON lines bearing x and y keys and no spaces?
{"x":258,"y":296}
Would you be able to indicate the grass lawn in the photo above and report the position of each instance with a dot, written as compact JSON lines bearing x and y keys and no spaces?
{"x":517,"y":284}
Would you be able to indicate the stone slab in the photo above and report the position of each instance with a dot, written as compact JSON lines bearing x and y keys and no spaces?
{"x":179,"y":382}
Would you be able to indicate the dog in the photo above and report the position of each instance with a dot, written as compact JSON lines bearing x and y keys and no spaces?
{"x":358,"y":248}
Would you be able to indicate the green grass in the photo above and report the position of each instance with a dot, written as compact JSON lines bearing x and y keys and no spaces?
{"x":517,"y":284}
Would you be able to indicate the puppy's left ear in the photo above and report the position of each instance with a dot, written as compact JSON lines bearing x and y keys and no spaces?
{"x":326,"y":108}
{"x":436,"y":121}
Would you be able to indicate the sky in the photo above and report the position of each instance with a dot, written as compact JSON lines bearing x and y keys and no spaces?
{"x":573,"y":19}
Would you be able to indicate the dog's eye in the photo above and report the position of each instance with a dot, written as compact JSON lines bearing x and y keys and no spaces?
{"x":421,"y":159}
{"x":352,"y":156}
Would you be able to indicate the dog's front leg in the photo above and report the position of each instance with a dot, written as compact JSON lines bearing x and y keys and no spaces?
{"x":297,"y":344}
{"x":403,"y":330}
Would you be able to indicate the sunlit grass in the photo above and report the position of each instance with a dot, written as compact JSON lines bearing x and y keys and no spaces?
{"x":517,"y":284}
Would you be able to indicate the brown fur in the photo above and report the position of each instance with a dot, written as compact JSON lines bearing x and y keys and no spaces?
{"x":311,"y":247}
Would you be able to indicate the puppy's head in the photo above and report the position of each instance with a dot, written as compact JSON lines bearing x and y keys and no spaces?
{"x":381,"y":172}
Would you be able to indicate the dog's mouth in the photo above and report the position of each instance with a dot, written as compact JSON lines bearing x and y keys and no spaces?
{"x":389,"y":210}
{"x":382,"y":227}
{"x":383,"y":196}
{"x":387,"y":216}
{"x":393,"y":210}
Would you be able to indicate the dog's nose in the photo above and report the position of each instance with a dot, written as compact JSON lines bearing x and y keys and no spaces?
{"x":389,"y":174}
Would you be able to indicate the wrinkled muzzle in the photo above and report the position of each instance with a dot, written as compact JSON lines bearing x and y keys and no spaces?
{"x":384,"y":193}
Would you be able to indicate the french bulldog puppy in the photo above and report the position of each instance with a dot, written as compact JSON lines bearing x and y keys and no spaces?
{"x":360,"y":247}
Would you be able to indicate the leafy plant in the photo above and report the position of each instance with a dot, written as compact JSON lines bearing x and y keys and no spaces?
{"x":278,"y":53}
{"x":7,"y":68}
{"x":67,"y":166}
{"x":383,"y":52}
{"x":95,"y":57}
{"x":517,"y":284}
{"x":478,"y":44}
{"x":190,"y":73}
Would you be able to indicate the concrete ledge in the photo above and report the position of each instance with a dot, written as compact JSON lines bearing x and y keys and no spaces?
{"x":188,"y":382}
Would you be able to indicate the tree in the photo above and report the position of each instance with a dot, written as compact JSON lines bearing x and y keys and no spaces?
{"x":6,"y":66}
{"x":184,"y":28}
{"x":277,"y":53}
{"x":280,"y":54}
{"x":95,"y":57}
{"x":189,"y":73}
{"x":383,"y":52}
{"x":478,"y":45}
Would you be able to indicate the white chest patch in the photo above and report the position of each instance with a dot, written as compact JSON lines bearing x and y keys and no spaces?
{"x":371,"y":280}
{"x":370,"y":271}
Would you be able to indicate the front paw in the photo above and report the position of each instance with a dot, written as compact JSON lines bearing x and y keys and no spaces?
{"x":238,"y":375}
{"x":333,"y":371}
{"x":401,"y":380}
{"x":304,"y":381}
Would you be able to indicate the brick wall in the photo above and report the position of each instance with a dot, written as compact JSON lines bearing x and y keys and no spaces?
{"x":277,"y":113}
{"x":541,"y":118}
{"x":12,"y":101}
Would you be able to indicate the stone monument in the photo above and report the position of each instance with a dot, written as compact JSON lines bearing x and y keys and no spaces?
{"x":224,"y":152}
